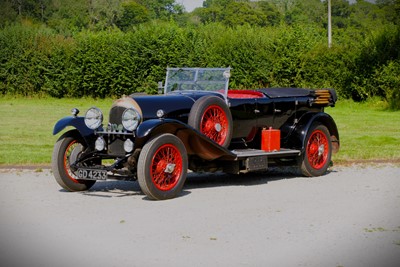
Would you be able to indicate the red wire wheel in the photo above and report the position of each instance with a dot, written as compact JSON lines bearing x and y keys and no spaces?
{"x":69,"y":152}
{"x":318,"y":151}
{"x":162,"y":167}
{"x":212,"y":117}
{"x":166,"y":167}
{"x":214,"y":124}
{"x":66,"y":151}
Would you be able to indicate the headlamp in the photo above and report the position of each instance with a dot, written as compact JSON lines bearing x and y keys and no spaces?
{"x":93,"y":118}
{"x":130,"y":119}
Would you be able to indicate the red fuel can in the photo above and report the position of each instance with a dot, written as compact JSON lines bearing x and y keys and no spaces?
{"x":270,"y":139}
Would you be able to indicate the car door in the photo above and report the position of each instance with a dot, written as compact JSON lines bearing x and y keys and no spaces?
{"x":275,"y":112}
{"x":284,"y":109}
{"x":244,"y":115}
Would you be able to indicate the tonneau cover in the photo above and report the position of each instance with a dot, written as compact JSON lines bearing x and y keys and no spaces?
{"x":286,"y":92}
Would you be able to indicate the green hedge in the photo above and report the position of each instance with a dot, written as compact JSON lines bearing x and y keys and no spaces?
{"x":36,"y":60}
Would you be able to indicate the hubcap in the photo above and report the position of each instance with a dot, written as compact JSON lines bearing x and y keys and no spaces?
{"x":170,"y":168}
{"x":321,"y":150}
{"x":218,"y":127}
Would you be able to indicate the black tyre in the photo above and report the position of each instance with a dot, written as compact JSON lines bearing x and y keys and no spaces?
{"x":212,"y":117}
{"x":318,"y":151}
{"x":66,"y":151}
{"x":162,"y":167}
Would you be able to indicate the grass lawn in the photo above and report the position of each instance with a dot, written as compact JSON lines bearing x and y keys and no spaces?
{"x":367,"y":132}
{"x":26,"y":135}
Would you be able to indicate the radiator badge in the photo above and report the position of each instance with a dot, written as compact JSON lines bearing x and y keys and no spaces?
{"x":113,"y":127}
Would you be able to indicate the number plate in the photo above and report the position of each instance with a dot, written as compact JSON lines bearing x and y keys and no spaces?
{"x":89,"y":174}
{"x":257,"y":163}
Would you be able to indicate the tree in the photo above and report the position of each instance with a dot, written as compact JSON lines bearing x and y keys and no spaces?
{"x":366,"y":15}
{"x":67,"y":16}
{"x":103,"y":13}
{"x":7,"y":12}
{"x":271,"y":12}
{"x":391,"y":9}
{"x":241,"y":13}
{"x":304,"y":11}
{"x":209,"y":14}
{"x":233,"y":13}
{"x":340,"y":13}
{"x":162,"y":9}
{"x":221,"y":3}
{"x":24,"y":8}
{"x":133,"y":14}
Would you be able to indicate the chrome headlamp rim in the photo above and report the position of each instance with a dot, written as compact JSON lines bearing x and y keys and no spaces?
{"x":130,"y":119}
{"x":93,"y":118}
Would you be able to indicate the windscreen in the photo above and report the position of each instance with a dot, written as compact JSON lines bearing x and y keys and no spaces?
{"x":197,"y":79}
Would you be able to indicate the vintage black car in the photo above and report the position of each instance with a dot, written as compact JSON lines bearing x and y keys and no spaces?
{"x":199,"y":124}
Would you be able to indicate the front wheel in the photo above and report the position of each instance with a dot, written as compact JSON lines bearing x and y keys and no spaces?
{"x":162,"y":167}
{"x":318,"y":151}
{"x":66,"y":151}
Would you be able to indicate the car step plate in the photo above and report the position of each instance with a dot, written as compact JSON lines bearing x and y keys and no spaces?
{"x":91,"y":174}
{"x":245,"y":153}
{"x":256,"y":163}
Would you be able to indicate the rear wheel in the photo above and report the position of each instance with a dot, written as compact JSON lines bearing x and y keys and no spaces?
{"x":66,"y":151}
{"x":318,"y":151}
{"x":162,"y":167}
{"x":212,"y":117}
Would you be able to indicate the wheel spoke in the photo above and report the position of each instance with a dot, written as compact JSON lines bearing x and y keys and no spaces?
{"x":164,"y":176}
{"x":67,"y":160}
{"x":317,"y":149}
{"x":215,"y":124}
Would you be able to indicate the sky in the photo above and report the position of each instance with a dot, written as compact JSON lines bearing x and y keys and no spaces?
{"x":192,"y":4}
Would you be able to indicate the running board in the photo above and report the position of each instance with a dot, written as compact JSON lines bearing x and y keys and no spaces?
{"x":256,"y":160}
{"x":246,"y":153}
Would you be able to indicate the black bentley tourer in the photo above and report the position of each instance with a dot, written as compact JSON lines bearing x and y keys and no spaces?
{"x":198,"y":123}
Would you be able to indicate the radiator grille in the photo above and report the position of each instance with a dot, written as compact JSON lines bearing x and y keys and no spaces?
{"x":116,"y":115}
